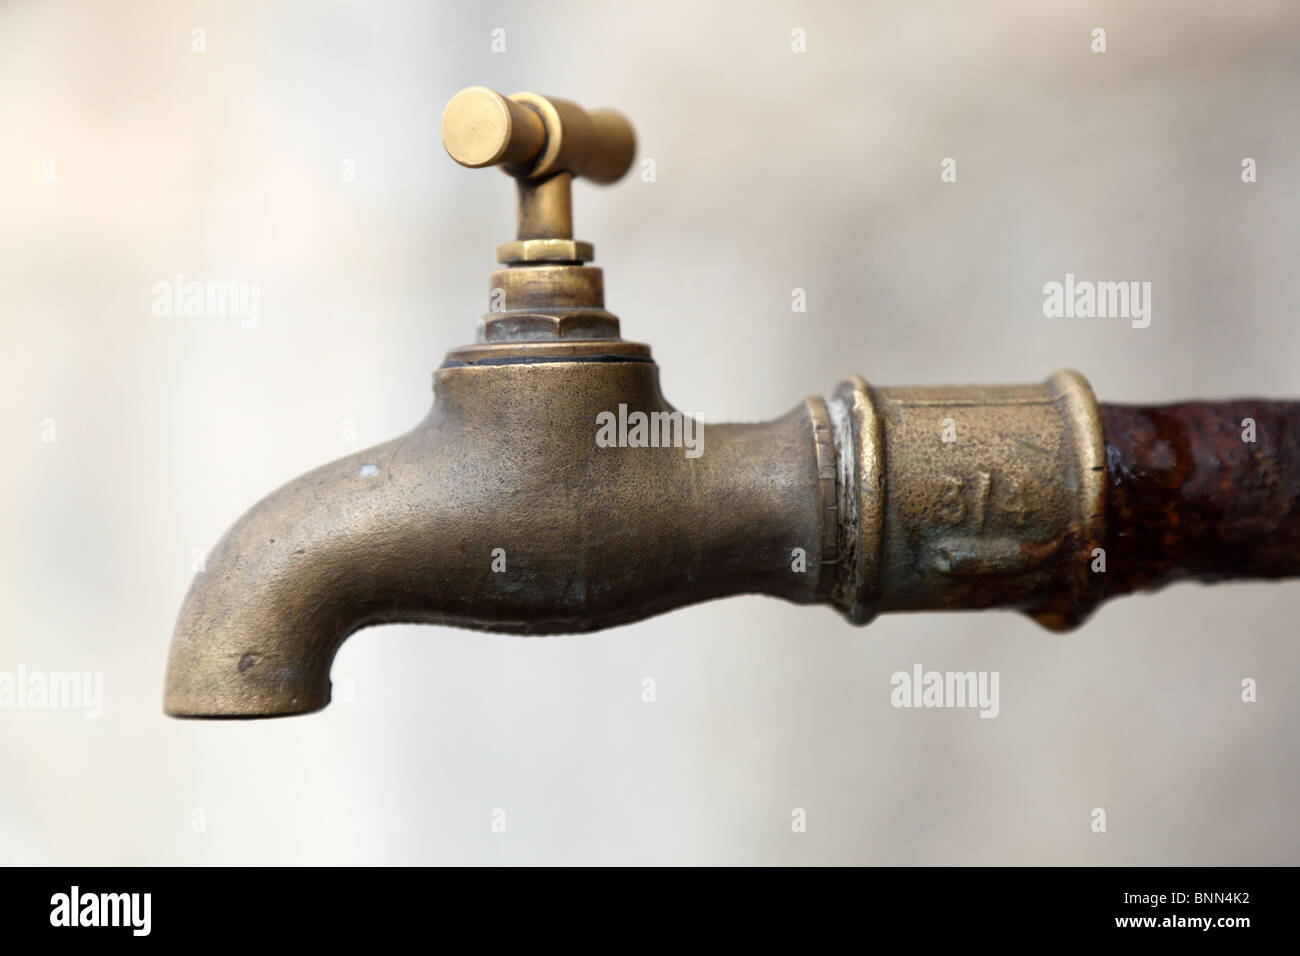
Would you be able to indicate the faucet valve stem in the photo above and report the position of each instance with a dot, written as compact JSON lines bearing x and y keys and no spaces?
{"x":546,"y":292}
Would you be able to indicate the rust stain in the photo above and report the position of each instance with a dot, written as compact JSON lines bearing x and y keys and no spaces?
{"x":1190,"y":498}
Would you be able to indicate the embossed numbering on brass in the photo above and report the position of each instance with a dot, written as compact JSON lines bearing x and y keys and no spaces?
{"x":974,"y":498}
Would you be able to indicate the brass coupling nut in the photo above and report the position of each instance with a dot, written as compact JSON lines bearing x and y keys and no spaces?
{"x":967,"y":497}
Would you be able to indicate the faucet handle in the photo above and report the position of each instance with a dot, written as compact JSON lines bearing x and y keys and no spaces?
{"x":535,"y":136}
{"x":546,"y":292}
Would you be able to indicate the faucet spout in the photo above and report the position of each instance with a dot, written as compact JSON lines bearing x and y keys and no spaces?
{"x":311,"y":563}
{"x":500,"y":511}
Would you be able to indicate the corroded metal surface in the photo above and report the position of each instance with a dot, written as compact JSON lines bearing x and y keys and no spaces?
{"x":1202,"y":490}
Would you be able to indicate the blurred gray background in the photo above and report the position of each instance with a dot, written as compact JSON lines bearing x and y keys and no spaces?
{"x":775,"y":170}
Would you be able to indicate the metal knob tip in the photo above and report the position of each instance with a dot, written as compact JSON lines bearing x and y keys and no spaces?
{"x":480,"y":127}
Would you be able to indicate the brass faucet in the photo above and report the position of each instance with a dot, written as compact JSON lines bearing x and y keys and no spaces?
{"x":552,"y":489}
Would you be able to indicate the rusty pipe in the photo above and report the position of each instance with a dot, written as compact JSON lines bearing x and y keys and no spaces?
{"x":1205,"y":491}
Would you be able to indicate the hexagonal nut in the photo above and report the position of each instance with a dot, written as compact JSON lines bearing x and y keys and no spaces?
{"x":545,"y":250}
{"x":547,"y":326}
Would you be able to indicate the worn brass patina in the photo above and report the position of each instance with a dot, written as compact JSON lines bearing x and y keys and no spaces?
{"x":503,"y":510}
